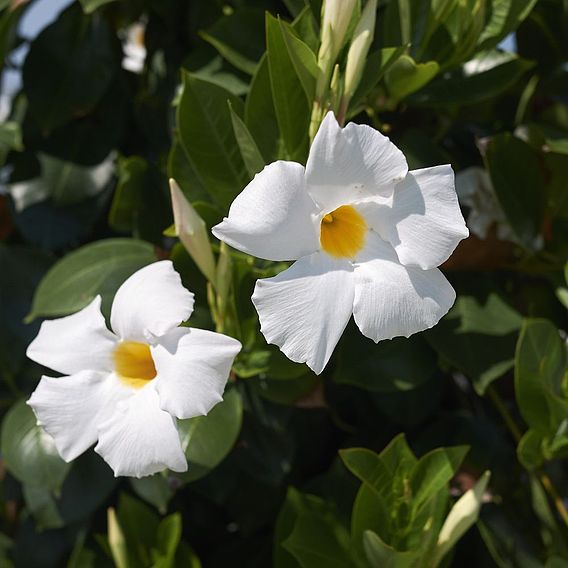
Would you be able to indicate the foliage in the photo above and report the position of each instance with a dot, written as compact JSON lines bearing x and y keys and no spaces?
{"x":292,"y":469}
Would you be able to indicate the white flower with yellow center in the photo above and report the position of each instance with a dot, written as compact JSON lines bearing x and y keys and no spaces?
{"x":366,"y":235}
{"x":126,"y":389}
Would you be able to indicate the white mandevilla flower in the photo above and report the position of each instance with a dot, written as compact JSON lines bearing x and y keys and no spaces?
{"x":367,"y":236}
{"x":126,"y":389}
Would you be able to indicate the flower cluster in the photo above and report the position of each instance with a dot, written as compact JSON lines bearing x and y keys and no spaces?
{"x":366,"y":235}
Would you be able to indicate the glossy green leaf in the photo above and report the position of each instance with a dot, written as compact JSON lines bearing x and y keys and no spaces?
{"x":380,"y":554}
{"x":239,"y":38}
{"x":206,"y":133}
{"x":96,"y":268}
{"x":208,"y":439}
{"x":486,"y":76}
{"x":249,"y":150}
{"x":540,"y":365}
{"x":319,"y":540}
{"x":290,"y":102}
{"x":260,"y":114}
{"x":519,"y":183}
{"x":406,"y":76}
{"x":69,"y":67}
{"x":29,"y":452}
{"x":398,"y":365}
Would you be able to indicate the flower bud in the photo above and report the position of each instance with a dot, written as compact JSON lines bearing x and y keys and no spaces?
{"x":359,"y":48}
{"x":192,"y":232}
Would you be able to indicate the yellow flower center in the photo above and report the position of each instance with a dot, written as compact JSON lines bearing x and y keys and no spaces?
{"x":134,"y":364}
{"x":342,"y":232}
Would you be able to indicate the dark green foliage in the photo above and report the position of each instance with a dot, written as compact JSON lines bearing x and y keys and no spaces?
{"x":360,"y":466}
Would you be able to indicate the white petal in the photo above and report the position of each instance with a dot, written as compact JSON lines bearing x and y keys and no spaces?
{"x":75,"y":343}
{"x":424,"y":223}
{"x":70,"y":408}
{"x":193,"y":366}
{"x":393,"y":300}
{"x":273,"y":217}
{"x":351,"y":163}
{"x":305,"y":309}
{"x":150,"y":303}
{"x":140,"y":438}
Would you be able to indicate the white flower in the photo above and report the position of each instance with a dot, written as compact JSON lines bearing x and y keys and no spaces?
{"x":134,"y":48}
{"x":126,"y":389}
{"x":366,"y":234}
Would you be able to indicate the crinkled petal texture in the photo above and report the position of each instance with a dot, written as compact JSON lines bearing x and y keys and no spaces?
{"x":273,"y":217}
{"x":193,"y":366}
{"x":75,"y":343}
{"x":140,"y":438}
{"x":423,"y":222}
{"x":71,"y":408}
{"x":393,"y":300}
{"x":305,"y":309}
{"x":150,"y":303}
{"x":351,"y":163}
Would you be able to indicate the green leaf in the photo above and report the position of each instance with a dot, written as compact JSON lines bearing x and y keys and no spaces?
{"x":69,"y":67}
{"x":485,"y":77}
{"x":260,"y":114}
{"x":41,"y":504}
{"x":290,"y":102}
{"x":462,"y":336}
{"x":10,"y":139}
{"x":319,"y":540}
{"x":506,"y":16}
{"x":519,"y":184}
{"x":89,"y":6}
{"x":380,"y":554}
{"x":22,"y":269}
{"x":97,"y":268}
{"x":249,"y":150}
{"x":303,"y":59}
{"x":239,"y":38}
{"x":529,"y":450}
{"x":208,"y":439}
{"x":206,"y":133}
{"x":406,"y":76}
{"x":398,"y":365}
{"x":29,"y":452}
{"x":434,"y":471}
{"x":168,"y":540}
{"x":155,"y":489}
{"x":377,"y":64}
{"x":540,"y":364}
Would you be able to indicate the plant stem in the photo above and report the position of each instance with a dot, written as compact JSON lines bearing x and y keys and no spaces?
{"x":545,"y":481}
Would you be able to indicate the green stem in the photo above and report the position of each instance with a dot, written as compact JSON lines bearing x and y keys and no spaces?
{"x":545,"y":481}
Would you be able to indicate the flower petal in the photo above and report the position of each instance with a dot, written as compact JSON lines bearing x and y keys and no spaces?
{"x":393,"y":300}
{"x":70,"y":408}
{"x":351,"y":163}
{"x":193,"y":366}
{"x":150,"y":303}
{"x":273,"y":217}
{"x":141,"y":439}
{"x":75,"y":343}
{"x":305,"y":309}
{"x":424,"y":223}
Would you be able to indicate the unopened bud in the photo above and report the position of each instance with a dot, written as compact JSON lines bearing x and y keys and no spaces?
{"x":359,"y":48}
{"x":192,"y":232}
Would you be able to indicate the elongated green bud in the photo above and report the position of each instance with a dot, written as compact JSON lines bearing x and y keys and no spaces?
{"x":359,"y":48}
{"x":192,"y":232}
